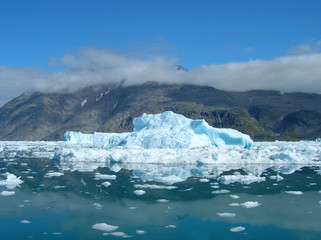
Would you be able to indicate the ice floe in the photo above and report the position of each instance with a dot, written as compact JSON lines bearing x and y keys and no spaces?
{"x":7,"y":193}
{"x":237,"y":229}
{"x":294,"y":192}
{"x":53,"y":174}
{"x":104,"y":227}
{"x":140,"y":232}
{"x":139,"y":192}
{"x":11,"y":182}
{"x":227,"y":215}
{"x":244,"y":179}
{"x":248,"y":204}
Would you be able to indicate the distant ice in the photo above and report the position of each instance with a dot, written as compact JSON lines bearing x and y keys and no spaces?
{"x":25,"y":221}
{"x":7,"y":193}
{"x":99,"y":176}
{"x":106,"y":184}
{"x":140,"y":232}
{"x":104,"y":227}
{"x":53,"y":174}
{"x":139,"y":192}
{"x":237,"y":229}
{"x":204,"y":180}
{"x":244,"y":179}
{"x":248,"y":204}
{"x":277,"y":178}
{"x":170,"y":226}
{"x":299,"y":153}
{"x":234,"y":196}
{"x":11,"y":182}
{"x":294,"y":192}
{"x":154,"y":186}
{"x":222,"y":191}
{"x":228,"y":215}
{"x":98,"y":206}
{"x":118,"y":234}
{"x":163,"y":200}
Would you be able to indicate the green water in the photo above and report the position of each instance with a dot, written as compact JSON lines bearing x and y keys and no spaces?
{"x":68,"y":206}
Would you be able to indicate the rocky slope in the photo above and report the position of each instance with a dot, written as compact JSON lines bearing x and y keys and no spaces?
{"x":264,"y":115}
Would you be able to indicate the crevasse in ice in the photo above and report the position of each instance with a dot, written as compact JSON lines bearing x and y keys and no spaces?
{"x":165,"y":130}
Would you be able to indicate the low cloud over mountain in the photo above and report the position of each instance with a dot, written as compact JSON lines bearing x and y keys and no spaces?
{"x":90,"y":66}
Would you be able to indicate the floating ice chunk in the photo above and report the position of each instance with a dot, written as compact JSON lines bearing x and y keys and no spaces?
{"x":204,"y":180}
{"x":234,"y":204}
{"x":7,"y":193}
{"x":53,"y":174}
{"x":98,"y":206}
{"x":25,"y":221}
{"x":118,"y":234}
{"x":139,"y":192}
{"x":106,"y":184}
{"x":133,"y":208}
{"x":244,"y":179}
{"x":104,"y":176}
{"x":294,"y":192}
{"x":165,"y":130}
{"x":163,"y":200}
{"x":228,"y":215}
{"x":154,"y":186}
{"x":234,"y":196}
{"x":11,"y":182}
{"x":250,"y":204}
{"x":104,"y":227}
{"x":277,"y":178}
{"x":222,"y":191}
{"x":237,"y":229}
{"x":140,"y":232}
{"x":170,"y":226}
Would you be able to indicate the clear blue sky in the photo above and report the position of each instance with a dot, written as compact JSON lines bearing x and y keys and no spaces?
{"x":196,"y":32}
{"x":234,"y":45}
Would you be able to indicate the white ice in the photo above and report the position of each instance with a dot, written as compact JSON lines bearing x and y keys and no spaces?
{"x":227,"y":215}
{"x":11,"y":182}
{"x":165,"y":130}
{"x":7,"y":193}
{"x":237,"y":229}
{"x":104,"y":227}
{"x":139,"y":192}
{"x":294,"y":192}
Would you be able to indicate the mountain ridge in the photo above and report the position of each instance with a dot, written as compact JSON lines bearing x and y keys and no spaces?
{"x":264,"y":115}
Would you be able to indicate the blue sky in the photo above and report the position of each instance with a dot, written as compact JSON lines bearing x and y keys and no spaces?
{"x":194,"y":33}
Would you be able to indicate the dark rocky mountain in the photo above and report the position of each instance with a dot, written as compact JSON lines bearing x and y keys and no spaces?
{"x":264,"y":115}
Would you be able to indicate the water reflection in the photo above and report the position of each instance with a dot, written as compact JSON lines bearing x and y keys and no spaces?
{"x":57,"y":201}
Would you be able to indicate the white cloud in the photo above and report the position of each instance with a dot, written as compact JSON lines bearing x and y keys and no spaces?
{"x":311,"y":47}
{"x":90,"y":66}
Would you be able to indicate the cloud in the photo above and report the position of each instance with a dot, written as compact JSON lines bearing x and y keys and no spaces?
{"x":15,"y":80}
{"x":312,"y":47}
{"x":89,"y":66}
{"x":290,"y":74}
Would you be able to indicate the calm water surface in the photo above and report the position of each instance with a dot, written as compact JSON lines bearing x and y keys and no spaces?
{"x":173,"y":202}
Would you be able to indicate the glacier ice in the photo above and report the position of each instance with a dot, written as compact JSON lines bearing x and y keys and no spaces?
{"x":164,"y":130}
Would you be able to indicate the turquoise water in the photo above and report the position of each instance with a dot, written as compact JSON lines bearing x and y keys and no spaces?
{"x":68,"y":206}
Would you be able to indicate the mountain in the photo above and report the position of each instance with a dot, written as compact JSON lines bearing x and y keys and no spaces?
{"x":264,"y":115}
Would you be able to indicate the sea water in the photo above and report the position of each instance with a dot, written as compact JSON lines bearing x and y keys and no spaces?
{"x":154,"y":201}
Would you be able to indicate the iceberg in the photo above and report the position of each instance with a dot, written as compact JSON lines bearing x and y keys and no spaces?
{"x":167,"y":130}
